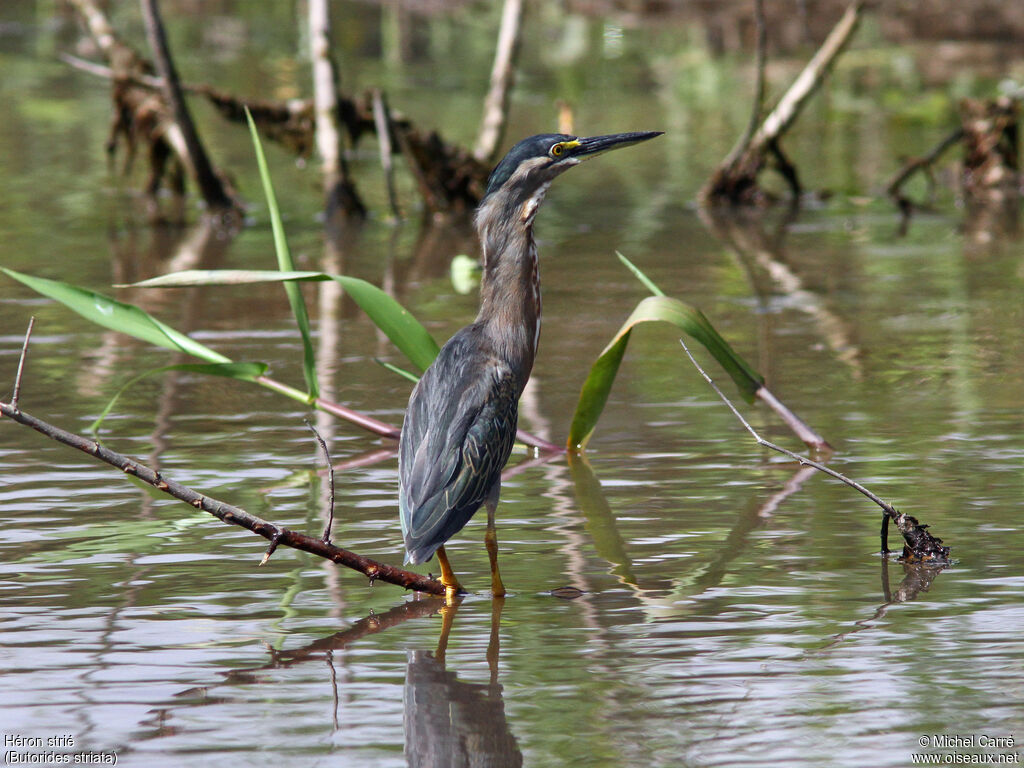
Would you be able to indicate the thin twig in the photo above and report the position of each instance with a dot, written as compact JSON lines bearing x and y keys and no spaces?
{"x":889,"y":508}
{"x":326,"y":537}
{"x":274,"y":541}
{"x":21,"y":363}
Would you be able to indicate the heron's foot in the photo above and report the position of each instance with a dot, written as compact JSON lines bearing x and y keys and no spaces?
{"x":452,"y":588}
{"x":497,"y":587}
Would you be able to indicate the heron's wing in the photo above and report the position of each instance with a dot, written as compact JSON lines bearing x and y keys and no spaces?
{"x":458,"y":434}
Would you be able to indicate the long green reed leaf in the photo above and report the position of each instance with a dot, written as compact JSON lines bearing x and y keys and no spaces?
{"x":397,"y":323}
{"x":285,"y":264}
{"x":657,"y":308}
{"x":117,"y":316}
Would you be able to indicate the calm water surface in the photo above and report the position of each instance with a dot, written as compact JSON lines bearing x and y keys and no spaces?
{"x":733,"y":610}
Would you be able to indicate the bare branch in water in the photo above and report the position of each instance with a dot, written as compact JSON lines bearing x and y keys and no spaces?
{"x":920,"y":546}
{"x":923,"y":164}
{"x":227,"y":513}
{"x":212,"y":186}
{"x":735,"y":179}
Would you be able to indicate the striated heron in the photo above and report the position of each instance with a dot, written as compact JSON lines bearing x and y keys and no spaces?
{"x":461,"y":421}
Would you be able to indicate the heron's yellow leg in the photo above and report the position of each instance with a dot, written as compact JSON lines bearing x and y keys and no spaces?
{"x":491,"y":540}
{"x":451,"y":584}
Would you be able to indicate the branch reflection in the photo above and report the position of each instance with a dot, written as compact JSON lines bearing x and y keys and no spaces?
{"x":448,"y":722}
{"x":917,"y":578}
{"x":762,"y":255}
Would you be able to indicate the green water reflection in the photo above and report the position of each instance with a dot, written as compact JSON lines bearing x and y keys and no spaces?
{"x":731,"y":609}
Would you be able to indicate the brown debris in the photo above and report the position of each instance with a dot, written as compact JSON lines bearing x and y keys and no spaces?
{"x":449,"y":178}
{"x":288,"y":123}
{"x":919,"y":546}
{"x":143,"y":116}
{"x":990,"y":177}
{"x":991,"y":140}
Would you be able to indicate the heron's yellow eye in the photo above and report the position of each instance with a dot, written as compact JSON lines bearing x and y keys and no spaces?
{"x":557,"y":150}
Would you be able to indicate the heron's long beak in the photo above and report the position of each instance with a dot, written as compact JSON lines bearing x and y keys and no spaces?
{"x":595,"y":145}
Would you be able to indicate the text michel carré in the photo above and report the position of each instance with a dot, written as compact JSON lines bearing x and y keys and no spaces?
{"x":943,"y":740}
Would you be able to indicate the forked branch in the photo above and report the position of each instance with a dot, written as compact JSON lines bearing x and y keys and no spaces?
{"x":734,"y":181}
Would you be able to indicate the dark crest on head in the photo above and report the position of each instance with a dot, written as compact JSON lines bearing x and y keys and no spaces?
{"x":534,"y":146}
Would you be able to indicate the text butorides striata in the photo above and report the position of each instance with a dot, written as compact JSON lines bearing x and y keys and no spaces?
{"x":461,"y":421}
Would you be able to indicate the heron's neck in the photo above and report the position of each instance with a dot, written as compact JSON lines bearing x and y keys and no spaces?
{"x":510,"y":293}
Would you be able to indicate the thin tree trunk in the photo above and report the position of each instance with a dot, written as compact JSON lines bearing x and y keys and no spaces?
{"x":492,"y":128}
{"x":339,"y":191}
{"x":757,"y":110}
{"x":382,"y":118}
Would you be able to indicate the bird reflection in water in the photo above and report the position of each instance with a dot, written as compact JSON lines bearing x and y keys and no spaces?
{"x":450,"y":723}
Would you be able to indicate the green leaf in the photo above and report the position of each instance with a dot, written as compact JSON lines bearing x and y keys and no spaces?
{"x":238,"y":371}
{"x":648,"y":283}
{"x":118,"y":316}
{"x":665,"y":309}
{"x":285,"y":264}
{"x":397,"y":323}
{"x":193,"y":277}
{"x":395,"y":369}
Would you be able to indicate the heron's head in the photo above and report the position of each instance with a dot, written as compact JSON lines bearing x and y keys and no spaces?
{"x":518,"y":183}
